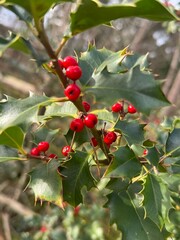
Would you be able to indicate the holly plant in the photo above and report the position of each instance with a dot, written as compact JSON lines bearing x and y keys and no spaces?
{"x":104,"y":107}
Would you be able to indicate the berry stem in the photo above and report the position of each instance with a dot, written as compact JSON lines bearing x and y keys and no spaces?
{"x":61,"y":45}
{"x":95,"y":154}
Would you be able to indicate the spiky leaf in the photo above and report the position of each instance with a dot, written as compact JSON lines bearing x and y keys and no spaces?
{"x":125,"y":164}
{"x":77,"y":175}
{"x":130,"y":218}
{"x":13,"y":137}
{"x":93,"y":13}
{"x":46,"y":183}
{"x":25,"y":114}
{"x":157,"y":200}
{"x":133,"y":132}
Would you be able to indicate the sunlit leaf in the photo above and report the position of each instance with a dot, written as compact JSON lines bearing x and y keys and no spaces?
{"x":12,"y":137}
{"x":46,"y":183}
{"x":21,"y":112}
{"x":66,"y":109}
{"x":92,"y":13}
{"x":13,"y":41}
{"x":136,"y":84}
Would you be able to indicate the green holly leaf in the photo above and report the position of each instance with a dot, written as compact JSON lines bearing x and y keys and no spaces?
{"x":21,"y":112}
{"x":79,"y":139}
{"x":105,"y":115}
{"x":118,"y":184}
{"x":157,"y":202}
{"x":46,"y":183}
{"x":173,"y":164}
{"x":13,"y":137}
{"x":8,"y":154}
{"x":37,"y":8}
{"x":171,"y":180}
{"x":125,"y":164}
{"x":122,"y":61}
{"x":15,"y":42}
{"x":90,"y":13}
{"x":129,"y":218}
{"x":66,"y":109}
{"x":91,"y":60}
{"x":44,"y":134}
{"x":173,"y":143}
{"x":153,"y":156}
{"x":101,"y":77}
{"x":77,"y":175}
{"x":133,"y":132}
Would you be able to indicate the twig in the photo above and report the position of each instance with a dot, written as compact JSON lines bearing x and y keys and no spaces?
{"x":16,"y":206}
{"x":6,"y":226}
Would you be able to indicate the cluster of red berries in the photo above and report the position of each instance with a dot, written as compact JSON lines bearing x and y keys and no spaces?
{"x":119,"y":107}
{"x":108,"y":138}
{"x":72,"y":72}
{"x":42,"y":148}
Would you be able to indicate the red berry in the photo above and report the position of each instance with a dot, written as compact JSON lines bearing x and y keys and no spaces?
{"x":66,"y":150}
{"x":69,"y":61}
{"x":60,"y":62}
{"x":110,"y":137}
{"x":131,"y":109}
{"x":35,"y":151}
{"x":72,"y":92}
{"x":43,"y":146}
{"x":77,"y":125}
{"x":43,"y":229}
{"x":86,"y":106}
{"x":94,"y":141}
{"x":73,"y":72}
{"x":90,"y":120}
{"x":52,"y":155}
{"x":145,"y":152}
{"x":117,"y":107}
{"x":76,"y":211}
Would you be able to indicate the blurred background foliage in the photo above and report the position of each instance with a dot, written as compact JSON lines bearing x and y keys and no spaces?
{"x":20,"y":219}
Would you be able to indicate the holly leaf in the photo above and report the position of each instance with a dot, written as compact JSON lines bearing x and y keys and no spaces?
{"x":105,"y":115}
{"x":153,"y":156}
{"x":8,"y":154}
{"x":37,"y":8}
{"x":46,"y":183}
{"x":101,"y":77}
{"x":91,"y":60}
{"x":77,"y":175}
{"x":125,"y":164}
{"x":13,"y":137}
{"x":44,"y":134}
{"x":25,"y":114}
{"x":157,"y":202}
{"x":13,"y":41}
{"x":80,"y":138}
{"x":133,"y":132}
{"x":66,"y":109}
{"x":173,"y":143}
{"x":90,"y":13}
{"x":130,"y":219}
